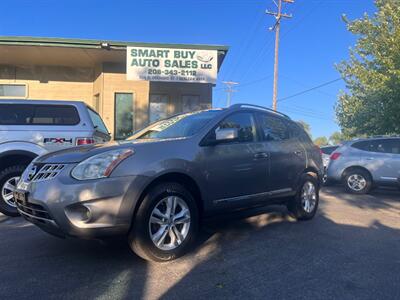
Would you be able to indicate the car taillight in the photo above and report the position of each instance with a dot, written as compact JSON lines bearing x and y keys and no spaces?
{"x":84,"y":141}
{"x":319,"y":149}
{"x":335,"y":155}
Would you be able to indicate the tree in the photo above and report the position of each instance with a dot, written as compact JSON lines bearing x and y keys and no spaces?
{"x":321,"y":141}
{"x":371,"y":104}
{"x":305,"y":126}
{"x":336,"y":138}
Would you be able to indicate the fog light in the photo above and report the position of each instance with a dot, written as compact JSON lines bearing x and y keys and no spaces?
{"x":79,"y":213}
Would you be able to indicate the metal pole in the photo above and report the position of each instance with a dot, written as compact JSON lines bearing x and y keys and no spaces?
{"x":277,"y":30}
{"x":277,"y":26}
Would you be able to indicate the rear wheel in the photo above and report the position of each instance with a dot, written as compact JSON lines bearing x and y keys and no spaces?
{"x":9,"y":178}
{"x":358,"y":181}
{"x":166,"y":223}
{"x":304,"y":204}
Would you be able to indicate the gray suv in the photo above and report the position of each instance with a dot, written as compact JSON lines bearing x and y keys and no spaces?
{"x":29,"y":128}
{"x":155,"y":186}
{"x":364,"y":163}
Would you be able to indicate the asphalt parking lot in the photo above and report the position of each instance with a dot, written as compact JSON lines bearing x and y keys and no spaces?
{"x":350,"y":250}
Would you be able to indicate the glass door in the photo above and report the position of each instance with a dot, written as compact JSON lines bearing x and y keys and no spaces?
{"x":158,"y":107}
{"x":124,"y":116}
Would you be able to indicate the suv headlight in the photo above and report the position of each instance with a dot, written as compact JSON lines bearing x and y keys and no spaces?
{"x":100,"y":165}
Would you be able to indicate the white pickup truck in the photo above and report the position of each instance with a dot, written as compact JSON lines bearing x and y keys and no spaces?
{"x":29,"y":128}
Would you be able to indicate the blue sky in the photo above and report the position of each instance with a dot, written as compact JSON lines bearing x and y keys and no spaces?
{"x":311,"y":42}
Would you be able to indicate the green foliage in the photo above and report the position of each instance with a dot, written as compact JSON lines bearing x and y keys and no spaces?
{"x":321,"y":141}
{"x":371,"y":104}
{"x":336,"y":138}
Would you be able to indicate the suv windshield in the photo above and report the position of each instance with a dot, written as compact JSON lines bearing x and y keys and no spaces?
{"x":183,"y":125}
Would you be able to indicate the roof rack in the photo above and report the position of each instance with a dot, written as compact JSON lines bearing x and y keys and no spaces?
{"x":244,"y":105}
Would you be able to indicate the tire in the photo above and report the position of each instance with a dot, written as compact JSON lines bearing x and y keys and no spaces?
{"x":358,"y":181}
{"x":299,"y":206}
{"x":140,"y":237}
{"x":9,"y":175}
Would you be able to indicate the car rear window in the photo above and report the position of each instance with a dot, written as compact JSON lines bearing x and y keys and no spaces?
{"x":38,"y":114}
{"x":328,"y":150}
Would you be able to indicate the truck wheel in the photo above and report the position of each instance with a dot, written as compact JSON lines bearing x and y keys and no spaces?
{"x":166,"y":223}
{"x":304,"y":204}
{"x":9,"y":178}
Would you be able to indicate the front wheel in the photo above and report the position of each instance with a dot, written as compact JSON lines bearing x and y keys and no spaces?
{"x":166,"y":223}
{"x":9,"y":178}
{"x":304,"y":204}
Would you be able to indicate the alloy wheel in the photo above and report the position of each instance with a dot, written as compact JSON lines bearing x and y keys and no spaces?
{"x":7,"y":191}
{"x":356,"y":182}
{"x":169,"y":223}
{"x":308,"y":196}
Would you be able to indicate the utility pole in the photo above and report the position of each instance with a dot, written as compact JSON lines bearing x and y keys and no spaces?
{"x":278,"y":16}
{"x":229,"y":90}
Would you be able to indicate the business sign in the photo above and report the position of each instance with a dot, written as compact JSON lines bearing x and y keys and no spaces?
{"x":172,"y":65}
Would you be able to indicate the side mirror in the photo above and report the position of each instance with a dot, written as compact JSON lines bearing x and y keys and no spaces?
{"x":226,"y":134}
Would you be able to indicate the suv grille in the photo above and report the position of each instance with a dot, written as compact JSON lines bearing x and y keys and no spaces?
{"x":48,"y":171}
{"x":34,"y":211}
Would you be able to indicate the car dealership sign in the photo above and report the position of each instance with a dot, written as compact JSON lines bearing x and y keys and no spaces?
{"x":169,"y":64}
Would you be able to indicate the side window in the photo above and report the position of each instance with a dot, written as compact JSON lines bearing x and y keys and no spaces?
{"x":245,"y":124}
{"x":364,"y":145}
{"x":273,"y":128}
{"x":27,"y":114}
{"x":297,"y":131}
{"x":16,"y":114}
{"x":379,"y":146}
{"x":97,"y":121}
{"x":55,"y":115}
{"x":391,"y":146}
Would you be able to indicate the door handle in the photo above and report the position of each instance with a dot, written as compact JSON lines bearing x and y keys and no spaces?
{"x":261,"y":155}
{"x":298,"y":152}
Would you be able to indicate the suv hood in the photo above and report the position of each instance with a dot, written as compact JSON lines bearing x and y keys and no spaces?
{"x":80,"y":153}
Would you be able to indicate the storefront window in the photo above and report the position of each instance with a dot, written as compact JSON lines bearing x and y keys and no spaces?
{"x":192,"y":103}
{"x":124,"y":115}
{"x":13,"y":90}
{"x":158,"y":107}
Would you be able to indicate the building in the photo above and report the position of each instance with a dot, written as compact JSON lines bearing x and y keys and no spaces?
{"x":129,"y":84}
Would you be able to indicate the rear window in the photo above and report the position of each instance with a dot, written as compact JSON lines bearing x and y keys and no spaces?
{"x":328,"y":150}
{"x":38,"y":114}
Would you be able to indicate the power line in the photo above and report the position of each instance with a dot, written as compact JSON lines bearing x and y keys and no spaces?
{"x":245,"y":45}
{"x":248,"y":83}
{"x":306,"y":111}
{"x":310,"y":89}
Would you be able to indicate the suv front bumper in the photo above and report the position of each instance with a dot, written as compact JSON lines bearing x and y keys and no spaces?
{"x":63,"y":206}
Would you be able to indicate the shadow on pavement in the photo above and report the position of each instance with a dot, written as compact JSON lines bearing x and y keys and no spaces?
{"x":377,"y":199}
{"x":3,"y":218}
{"x":319,"y":259}
{"x":258,"y":253}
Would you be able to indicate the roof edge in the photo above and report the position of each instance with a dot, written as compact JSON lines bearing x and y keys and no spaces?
{"x":91,"y":43}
